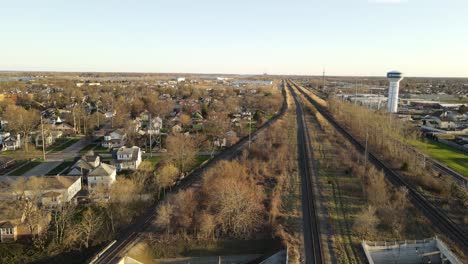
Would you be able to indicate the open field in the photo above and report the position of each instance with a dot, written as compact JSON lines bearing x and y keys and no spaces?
{"x":453,"y":158}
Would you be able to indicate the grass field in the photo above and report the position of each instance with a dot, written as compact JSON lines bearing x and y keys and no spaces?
{"x":453,"y":158}
{"x":153,"y":160}
{"x":25,"y":168}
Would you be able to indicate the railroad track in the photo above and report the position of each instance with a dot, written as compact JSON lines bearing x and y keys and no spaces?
{"x":438,"y":219}
{"x":313,"y":248}
{"x":114,"y":251}
{"x":457,"y":177}
{"x":437,"y":166}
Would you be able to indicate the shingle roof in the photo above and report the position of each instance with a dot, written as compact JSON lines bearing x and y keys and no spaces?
{"x":102,"y":170}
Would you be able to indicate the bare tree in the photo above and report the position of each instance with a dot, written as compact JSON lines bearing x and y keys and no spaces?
{"x":88,"y":226}
{"x":165,"y":177}
{"x":164,"y":217}
{"x":366,"y":222}
{"x":21,"y":120}
{"x":182,"y":151}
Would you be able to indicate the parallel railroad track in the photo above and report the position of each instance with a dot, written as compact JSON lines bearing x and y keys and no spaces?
{"x":439,"y":220}
{"x":312,"y":245}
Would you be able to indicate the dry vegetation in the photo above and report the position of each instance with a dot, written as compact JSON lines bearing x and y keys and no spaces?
{"x":253,"y":197}
{"x":389,"y":138}
{"x":359,"y":202}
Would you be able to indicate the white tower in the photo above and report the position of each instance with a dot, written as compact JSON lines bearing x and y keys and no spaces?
{"x":394,"y":77}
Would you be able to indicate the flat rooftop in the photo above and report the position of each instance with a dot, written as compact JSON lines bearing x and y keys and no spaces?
{"x":431,"y":250}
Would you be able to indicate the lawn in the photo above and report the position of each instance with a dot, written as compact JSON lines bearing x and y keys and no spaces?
{"x":60,"y":167}
{"x":153,"y":160}
{"x":453,"y":158}
{"x":25,"y":168}
{"x":65,"y":145}
{"x":100,"y":149}
{"x":87,"y":148}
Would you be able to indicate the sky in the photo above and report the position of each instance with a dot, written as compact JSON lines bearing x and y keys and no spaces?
{"x":344,"y":37}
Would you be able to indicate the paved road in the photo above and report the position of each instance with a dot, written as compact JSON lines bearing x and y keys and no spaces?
{"x":70,"y":152}
{"x":43,"y":168}
{"x":55,"y":159}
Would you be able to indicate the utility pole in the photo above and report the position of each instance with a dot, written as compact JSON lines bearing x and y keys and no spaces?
{"x":366,"y":151}
{"x":149,"y":131}
{"x":97,"y":112}
{"x":323,"y":80}
{"x":250,"y":129}
{"x":74,"y":119}
{"x":43,"y":140}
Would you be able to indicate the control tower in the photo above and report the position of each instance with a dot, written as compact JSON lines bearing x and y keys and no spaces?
{"x":394,"y":77}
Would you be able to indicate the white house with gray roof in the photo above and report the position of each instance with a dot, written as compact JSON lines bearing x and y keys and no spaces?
{"x":94,"y":171}
{"x":126,"y":158}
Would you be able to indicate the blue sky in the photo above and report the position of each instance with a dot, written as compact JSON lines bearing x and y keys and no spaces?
{"x":346,"y":37}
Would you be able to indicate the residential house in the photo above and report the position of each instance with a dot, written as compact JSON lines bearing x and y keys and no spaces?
{"x":52,"y":191}
{"x":152,"y":127}
{"x":127,"y":158}
{"x":65,"y":128}
{"x":50,"y":138}
{"x":94,"y":171}
{"x":12,"y":222}
{"x":4,"y":135}
{"x":114,"y":139}
{"x":12,"y":143}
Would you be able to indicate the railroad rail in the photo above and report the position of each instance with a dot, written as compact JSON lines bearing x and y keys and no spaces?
{"x":439,"y":219}
{"x":436,"y":165}
{"x":113,"y":253}
{"x":312,"y":243}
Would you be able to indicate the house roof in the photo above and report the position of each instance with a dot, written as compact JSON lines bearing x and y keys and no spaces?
{"x":10,"y":139}
{"x":119,"y":132}
{"x":102,"y":170}
{"x":133,"y":151}
{"x":90,"y":156}
{"x":51,"y":194}
{"x":7,"y":224}
{"x":55,"y":182}
{"x":9,"y":210}
{"x":83,"y":164}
